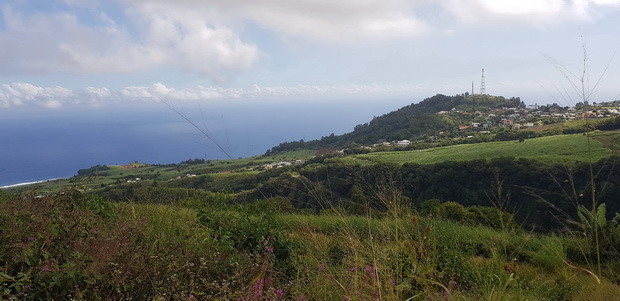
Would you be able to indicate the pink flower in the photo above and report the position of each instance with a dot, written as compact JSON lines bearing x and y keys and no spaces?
{"x":346,"y":298}
{"x":269,"y":250}
{"x":321,"y":266}
{"x":280,"y":293}
{"x":258,"y":287}
{"x":45,"y":269}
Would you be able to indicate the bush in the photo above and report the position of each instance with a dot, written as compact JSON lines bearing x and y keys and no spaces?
{"x":430,"y":207}
{"x":246,"y":229}
{"x":454,"y":211}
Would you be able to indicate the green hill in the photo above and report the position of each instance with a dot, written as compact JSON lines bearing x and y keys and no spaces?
{"x":409,"y":122}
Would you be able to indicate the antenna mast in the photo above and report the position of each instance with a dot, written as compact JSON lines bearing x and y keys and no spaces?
{"x":483,"y":89}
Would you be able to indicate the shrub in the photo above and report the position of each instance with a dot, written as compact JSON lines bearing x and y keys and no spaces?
{"x":246,"y":229}
{"x":430,"y":207}
{"x":454,"y":211}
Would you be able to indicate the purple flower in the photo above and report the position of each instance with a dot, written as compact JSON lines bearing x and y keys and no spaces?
{"x":280,"y":293}
{"x":321,"y":266}
{"x":269,"y":250}
{"x":192,"y":297}
{"x":45,"y":269}
{"x":258,"y":287}
{"x":353,"y":269}
{"x":346,"y":298}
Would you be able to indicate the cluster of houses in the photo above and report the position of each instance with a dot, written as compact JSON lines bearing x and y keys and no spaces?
{"x":530,"y":116}
{"x":281,"y":164}
{"x":392,"y":143}
{"x":514,"y":118}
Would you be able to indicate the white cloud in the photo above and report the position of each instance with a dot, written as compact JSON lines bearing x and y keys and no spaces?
{"x":24,"y":94}
{"x":168,"y":37}
{"x":321,"y":20}
{"x":539,"y":12}
{"x":18,"y":94}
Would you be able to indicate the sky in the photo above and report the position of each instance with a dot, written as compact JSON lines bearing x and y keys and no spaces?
{"x":85,"y":54}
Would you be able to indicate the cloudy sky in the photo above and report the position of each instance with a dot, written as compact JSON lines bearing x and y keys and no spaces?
{"x":90,"y":53}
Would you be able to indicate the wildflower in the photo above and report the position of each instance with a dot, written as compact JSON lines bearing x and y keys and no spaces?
{"x":269,"y":249}
{"x":45,"y":269}
{"x":427,"y":229}
{"x":346,"y":298}
{"x":321,"y":266}
{"x":258,"y":287}
{"x":280,"y":293}
{"x":192,"y":297}
{"x":353,"y":269}
{"x":414,"y":220}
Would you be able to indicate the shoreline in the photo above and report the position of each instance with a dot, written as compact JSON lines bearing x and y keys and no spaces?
{"x":30,"y":183}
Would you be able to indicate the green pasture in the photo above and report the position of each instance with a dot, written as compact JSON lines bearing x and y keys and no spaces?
{"x":549,"y":149}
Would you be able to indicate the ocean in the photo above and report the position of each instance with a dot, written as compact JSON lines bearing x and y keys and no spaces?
{"x":41,"y":144}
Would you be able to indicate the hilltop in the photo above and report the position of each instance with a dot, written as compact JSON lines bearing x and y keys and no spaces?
{"x":445,"y":120}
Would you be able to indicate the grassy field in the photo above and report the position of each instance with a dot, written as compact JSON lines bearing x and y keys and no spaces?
{"x":550,"y":149}
{"x":82,"y":248}
{"x":609,"y":139}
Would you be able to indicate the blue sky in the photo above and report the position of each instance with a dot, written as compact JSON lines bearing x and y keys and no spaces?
{"x":57,"y":54}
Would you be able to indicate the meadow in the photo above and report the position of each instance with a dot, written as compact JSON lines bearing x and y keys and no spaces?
{"x":557,"y":148}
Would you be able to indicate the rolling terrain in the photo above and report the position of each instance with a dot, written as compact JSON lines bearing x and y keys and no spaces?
{"x":477,"y":213}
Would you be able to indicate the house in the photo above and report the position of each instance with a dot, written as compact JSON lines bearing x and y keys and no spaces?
{"x":403,"y":143}
{"x":507,"y":121}
{"x":463,"y":127}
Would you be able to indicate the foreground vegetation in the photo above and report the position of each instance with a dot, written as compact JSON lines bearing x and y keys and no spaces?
{"x":82,"y":247}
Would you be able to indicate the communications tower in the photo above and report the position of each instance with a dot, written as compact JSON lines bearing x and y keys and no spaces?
{"x":483,"y":89}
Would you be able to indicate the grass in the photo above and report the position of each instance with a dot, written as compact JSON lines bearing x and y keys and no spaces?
{"x":549,"y":149}
{"x":609,"y":139}
{"x":70,"y":245}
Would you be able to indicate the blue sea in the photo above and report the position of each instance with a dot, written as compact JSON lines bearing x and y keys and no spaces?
{"x":39,"y":144}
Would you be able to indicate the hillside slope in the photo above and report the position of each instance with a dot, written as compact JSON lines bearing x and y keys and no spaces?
{"x":408,"y":122}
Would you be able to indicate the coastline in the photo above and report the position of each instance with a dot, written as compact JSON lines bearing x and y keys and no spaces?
{"x":29,"y":183}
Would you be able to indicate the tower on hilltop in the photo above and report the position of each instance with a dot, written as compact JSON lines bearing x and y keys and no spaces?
{"x":483,"y":89}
